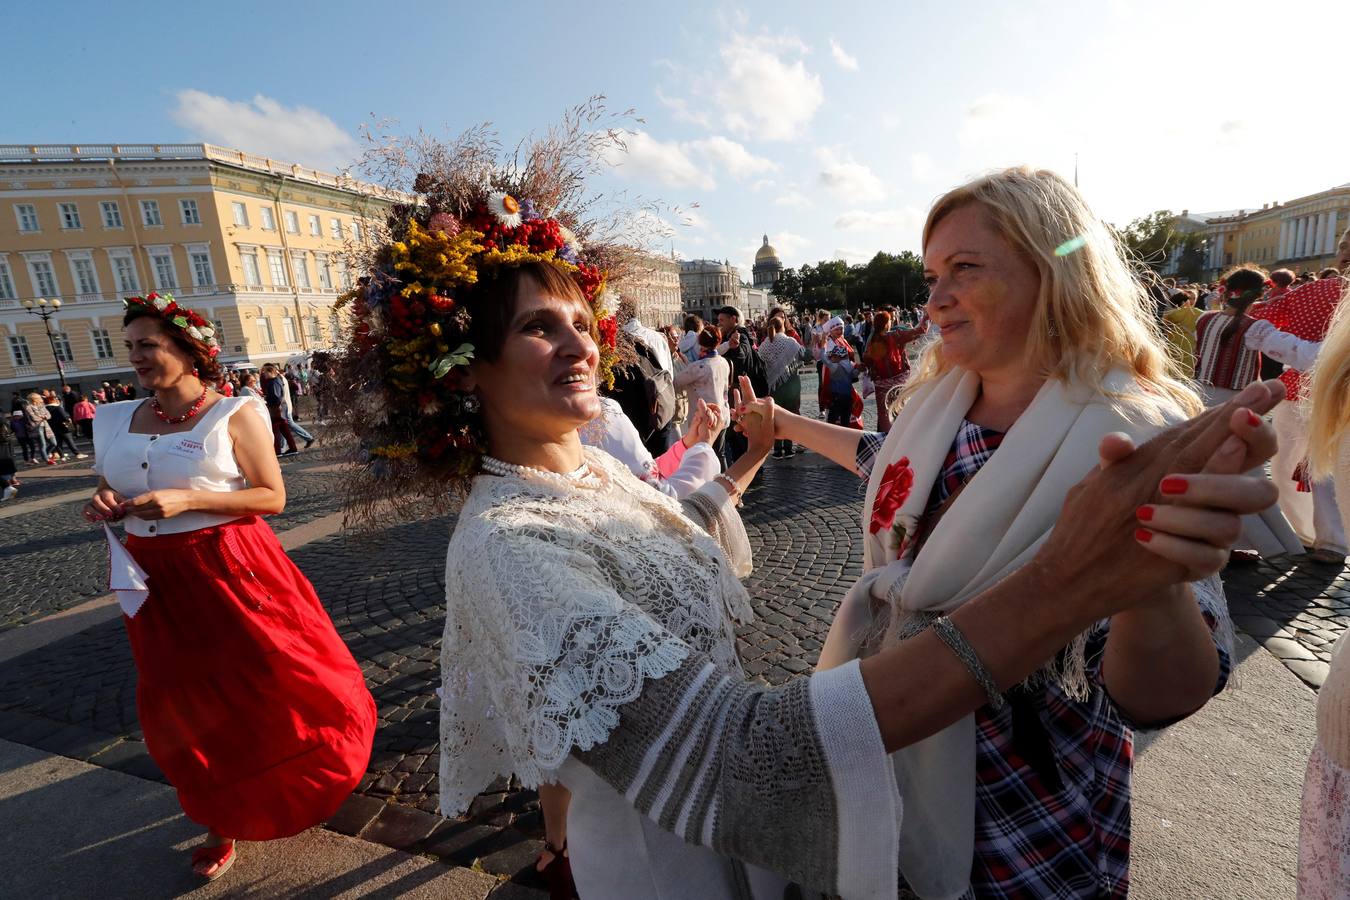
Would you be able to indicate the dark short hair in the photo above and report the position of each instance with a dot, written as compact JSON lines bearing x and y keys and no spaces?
{"x":493,"y":303}
{"x":691,"y":323}
{"x":1329,"y":272}
{"x":1245,"y":279}
{"x":1282,"y":277}
{"x":208,"y":369}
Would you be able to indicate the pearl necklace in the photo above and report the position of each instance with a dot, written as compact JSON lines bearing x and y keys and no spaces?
{"x":584,"y":477}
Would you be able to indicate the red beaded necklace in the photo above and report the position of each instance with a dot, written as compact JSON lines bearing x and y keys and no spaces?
{"x":178,"y":420}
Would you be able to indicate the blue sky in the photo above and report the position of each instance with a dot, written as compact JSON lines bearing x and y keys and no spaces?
{"x":830,"y":126}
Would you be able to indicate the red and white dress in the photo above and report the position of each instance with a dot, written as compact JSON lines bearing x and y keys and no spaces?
{"x":250,"y":702}
{"x":1222,"y":368}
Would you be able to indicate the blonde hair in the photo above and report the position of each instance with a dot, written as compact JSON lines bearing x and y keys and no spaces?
{"x":1092,"y":313}
{"x":1329,"y":395}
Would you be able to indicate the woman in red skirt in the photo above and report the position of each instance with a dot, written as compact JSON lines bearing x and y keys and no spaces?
{"x":250,"y":703}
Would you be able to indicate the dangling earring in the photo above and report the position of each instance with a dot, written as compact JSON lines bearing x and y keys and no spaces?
{"x":195,"y":373}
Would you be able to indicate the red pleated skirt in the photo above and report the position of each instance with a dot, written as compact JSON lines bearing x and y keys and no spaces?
{"x":250,"y":702}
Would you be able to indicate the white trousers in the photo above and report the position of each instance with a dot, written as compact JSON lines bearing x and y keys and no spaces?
{"x":1314,"y":516}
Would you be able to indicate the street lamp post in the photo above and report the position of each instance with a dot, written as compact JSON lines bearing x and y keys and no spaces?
{"x":44,"y":309}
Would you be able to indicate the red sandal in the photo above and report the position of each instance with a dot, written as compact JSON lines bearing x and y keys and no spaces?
{"x":222,"y":855}
{"x":558,"y":873}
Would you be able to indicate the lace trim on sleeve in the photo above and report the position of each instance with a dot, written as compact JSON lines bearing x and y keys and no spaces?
{"x":538,"y":655}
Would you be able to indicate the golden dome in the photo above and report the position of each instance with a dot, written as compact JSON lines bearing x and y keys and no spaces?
{"x":766,"y":252}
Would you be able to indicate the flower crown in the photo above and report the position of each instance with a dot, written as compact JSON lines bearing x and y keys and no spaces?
{"x":412,"y":318}
{"x":166,"y":308}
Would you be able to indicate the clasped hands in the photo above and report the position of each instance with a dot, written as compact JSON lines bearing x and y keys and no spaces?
{"x":109,"y":506}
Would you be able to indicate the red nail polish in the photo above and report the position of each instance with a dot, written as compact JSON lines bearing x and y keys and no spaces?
{"x":1174,"y":485}
{"x":1253,"y":419}
{"x":1143,"y":535}
{"x":1144,"y":514}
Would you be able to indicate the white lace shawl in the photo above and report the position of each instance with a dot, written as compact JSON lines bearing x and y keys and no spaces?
{"x":560,"y":603}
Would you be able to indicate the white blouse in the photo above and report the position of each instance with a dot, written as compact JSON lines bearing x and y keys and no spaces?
{"x":200,"y":459}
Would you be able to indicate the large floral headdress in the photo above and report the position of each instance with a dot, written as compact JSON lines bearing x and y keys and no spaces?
{"x":166,"y":308}
{"x":468,"y":216}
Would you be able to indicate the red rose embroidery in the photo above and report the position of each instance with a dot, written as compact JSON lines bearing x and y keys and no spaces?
{"x":896,"y":483}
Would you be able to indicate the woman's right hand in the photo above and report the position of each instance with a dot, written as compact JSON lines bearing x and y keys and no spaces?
{"x":105,"y":506}
{"x":1100,"y":538}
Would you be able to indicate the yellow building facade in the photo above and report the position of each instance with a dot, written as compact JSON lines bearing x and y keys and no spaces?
{"x":1300,"y":234}
{"x":261,"y":248}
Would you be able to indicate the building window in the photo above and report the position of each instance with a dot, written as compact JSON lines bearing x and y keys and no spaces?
{"x":335,"y":229}
{"x":18,"y":350}
{"x":252,"y":276}
{"x":356,"y":231}
{"x":269,"y":221}
{"x":325,"y":276}
{"x":315,"y":229}
{"x":61,"y":344}
{"x":44,"y":279}
{"x":240,"y":212}
{"x":161,"y":262}
{"x":70,"y":216}
{"x":6,"y":283}
{"x":334,"y":329}
{"x":312,"y":329}
{"x":103,"y":348}
{"x":301,"y":271}
{"x":26,"y":213}
{"x":344,"y":276}
{"x":292,"y":222}
{"x":288,"y":329}
{"x":220,"y":332}
{"x":124,"y":270}
{"x":200,"y":262}
{"x":265,"y":331}
{"x":112,"y":214}
{"x":150,"y":213}
{"x":86,"y":279}
{"x":276,"y":267}
{"x":191,"y":215}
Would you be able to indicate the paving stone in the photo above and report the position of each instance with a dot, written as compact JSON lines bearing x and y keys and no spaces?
{"x":400,"y":827}
{"x":512,"y":858}
{"x":355,"y":813}
{"x":1286,"y":649}
{"x":131,"y":758}
{"x":1313,"y":671}
{"x":462,"y":843}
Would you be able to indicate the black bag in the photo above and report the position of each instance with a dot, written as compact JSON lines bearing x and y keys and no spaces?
{"x":645,"y":391}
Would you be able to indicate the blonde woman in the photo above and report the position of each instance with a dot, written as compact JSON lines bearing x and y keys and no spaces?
{"x":1324,"y":839}
{"x":1046,"y":345}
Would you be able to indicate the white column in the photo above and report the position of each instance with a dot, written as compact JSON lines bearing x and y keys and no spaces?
{"x":1333,"y":236}
{"x":1319,"y":237}
{"x":1300,"y":236}
{"x":1282,"y":251}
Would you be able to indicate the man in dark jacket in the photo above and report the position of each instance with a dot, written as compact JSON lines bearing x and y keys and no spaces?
{"x":274,"y":394}
{"x":739,"y":350}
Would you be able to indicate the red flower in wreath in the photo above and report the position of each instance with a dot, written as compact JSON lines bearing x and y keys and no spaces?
{"x":896,"y":483}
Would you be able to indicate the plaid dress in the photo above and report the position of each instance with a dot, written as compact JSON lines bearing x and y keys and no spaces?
{"x":1052,"y":773}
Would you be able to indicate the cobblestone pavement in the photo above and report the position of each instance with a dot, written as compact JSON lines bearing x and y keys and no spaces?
{"x":385,"y":593}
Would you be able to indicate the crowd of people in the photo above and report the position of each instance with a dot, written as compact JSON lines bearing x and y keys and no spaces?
{"x":968,"y":730}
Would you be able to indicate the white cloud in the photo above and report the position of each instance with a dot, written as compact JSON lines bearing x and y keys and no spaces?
{"x":842,"y":57}
{"x":296,"y":134}
{"x":889,"y":121}
{"x":762,"y":184}
{"x":907,"y":218}
{"x":762,"y":88}
{"x":849,"y":178}
{"x":732,"y":157}
{"x":791,"y":249}
{"x":644,"y":158}
{"x":692,"y":218}
{"x":794,"y":199}
{"x":921,"y":166}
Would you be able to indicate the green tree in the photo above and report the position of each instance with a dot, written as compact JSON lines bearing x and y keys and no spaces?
{"x":1152,"y":238}
{"x":788,"y":288}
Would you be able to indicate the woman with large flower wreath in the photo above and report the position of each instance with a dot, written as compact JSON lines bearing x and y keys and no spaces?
{"x":588,"y":637}
{"x":250,"y":703}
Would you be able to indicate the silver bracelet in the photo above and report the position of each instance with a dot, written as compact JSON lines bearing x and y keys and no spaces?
{"x":950,"y":635}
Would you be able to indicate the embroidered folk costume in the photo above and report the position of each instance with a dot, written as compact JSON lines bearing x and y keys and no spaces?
{"x":250,"y":702}
{"x":1304,"y":312}
{"x":1030,"y":798}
